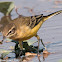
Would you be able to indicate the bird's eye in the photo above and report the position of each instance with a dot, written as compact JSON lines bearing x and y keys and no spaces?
{"x":11,"y":32}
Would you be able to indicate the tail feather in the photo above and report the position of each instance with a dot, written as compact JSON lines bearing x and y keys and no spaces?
{"x":51,"y":15}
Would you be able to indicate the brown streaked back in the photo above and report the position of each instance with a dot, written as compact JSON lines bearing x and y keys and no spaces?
{"x":31,"y":21}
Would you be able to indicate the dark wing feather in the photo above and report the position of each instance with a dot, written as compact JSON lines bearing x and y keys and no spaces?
{"x":35,"y":20}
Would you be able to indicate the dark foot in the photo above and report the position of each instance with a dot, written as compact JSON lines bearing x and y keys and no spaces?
{"x":18,"y":51}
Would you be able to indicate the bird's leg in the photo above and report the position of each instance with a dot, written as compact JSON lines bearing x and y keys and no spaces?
{"x":21,"y":47}
{"x":38,"y":47}
{"x":43,"y":44}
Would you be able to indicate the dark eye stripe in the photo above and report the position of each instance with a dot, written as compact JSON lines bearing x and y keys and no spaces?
{"x":11,"y":32}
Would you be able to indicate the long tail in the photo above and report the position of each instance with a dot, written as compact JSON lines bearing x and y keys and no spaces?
{"x":51,"y":15}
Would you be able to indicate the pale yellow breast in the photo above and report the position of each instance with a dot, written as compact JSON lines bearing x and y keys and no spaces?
{"x":24,"y":31}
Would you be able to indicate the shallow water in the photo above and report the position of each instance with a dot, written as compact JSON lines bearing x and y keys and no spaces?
{"x":51,"y":30}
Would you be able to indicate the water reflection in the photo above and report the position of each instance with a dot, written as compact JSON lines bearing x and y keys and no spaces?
{"x":45,"y":54}
{"x":27,"y":58}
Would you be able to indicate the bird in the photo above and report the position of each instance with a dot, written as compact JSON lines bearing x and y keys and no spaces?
{"x":26,"y":27}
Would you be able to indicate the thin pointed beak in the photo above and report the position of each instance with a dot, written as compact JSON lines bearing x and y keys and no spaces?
{"x":3,"y":38}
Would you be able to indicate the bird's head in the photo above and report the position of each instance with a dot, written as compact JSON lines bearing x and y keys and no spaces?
{"x":9,"y":30}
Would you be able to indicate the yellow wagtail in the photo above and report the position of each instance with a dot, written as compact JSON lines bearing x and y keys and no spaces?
{"x":23,"y":28}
